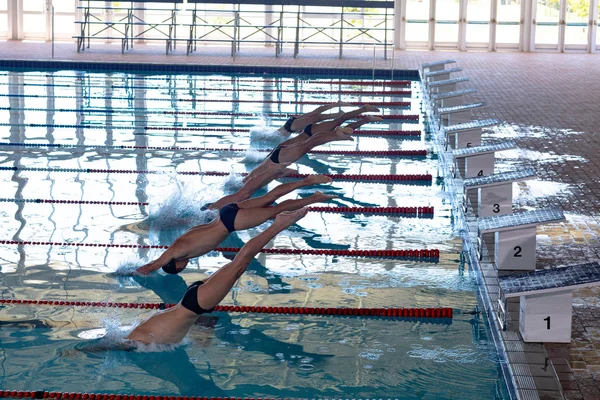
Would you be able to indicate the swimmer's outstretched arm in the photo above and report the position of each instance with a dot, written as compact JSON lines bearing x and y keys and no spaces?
{"x":172,"y":325}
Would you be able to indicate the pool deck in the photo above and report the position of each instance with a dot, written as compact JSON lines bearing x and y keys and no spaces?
{"x":547,"y":103}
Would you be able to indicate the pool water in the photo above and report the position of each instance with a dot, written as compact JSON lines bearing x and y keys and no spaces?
{"x":235,"y":355}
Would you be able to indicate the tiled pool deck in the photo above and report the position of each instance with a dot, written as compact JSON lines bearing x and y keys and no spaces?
{"x":546,"y":102}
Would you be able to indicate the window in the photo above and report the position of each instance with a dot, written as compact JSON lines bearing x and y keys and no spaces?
{"x":446,"y":22}
{"x":508,"y":29}
{"x":547,"y":18}
{"x":417,"y":22}
{"x":478,"y":23}
{"x":576,"y":31}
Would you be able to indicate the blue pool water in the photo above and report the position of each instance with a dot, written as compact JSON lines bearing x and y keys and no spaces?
{"x":43,"y":348}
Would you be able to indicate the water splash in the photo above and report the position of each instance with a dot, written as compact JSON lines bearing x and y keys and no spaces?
{"x":253,"y":156}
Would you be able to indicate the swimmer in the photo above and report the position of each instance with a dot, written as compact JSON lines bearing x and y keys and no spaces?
{"x":288,"y":153}
{"x":232,"y":217}
{"x":295,"y":124}
{"x":172,"y":325}
{"x":317,"y":127}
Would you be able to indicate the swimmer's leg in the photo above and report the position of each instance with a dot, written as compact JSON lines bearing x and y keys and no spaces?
{"x":282,"y":190}
{"x":330,"y":125}
{"x":367,"y":119}
{"x":294,"y":152}
{"x":253,"y":182}
{"x":220,"y":283}
{"x":250,"y":217}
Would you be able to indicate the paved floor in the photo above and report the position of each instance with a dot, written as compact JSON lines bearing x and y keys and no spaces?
{"x":548,"y":103}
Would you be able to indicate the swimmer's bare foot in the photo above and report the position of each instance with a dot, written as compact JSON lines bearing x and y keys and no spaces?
{"x":343,"y":133}
{"x":320,"y":197}
{"x":317,"y":179}
{"x":370,"y":108}
{"x":288,"y":218}
{"x":342,"y":104}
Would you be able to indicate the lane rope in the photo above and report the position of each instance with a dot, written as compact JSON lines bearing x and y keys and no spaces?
{"x":408,"y":117}
{"x":370,"y":178}
{"x":398,"y":93}
{"x":421,"y":211}
{"x":423,"y":255}
{"x":319,"y":103}
{"x":366,"y":153}
{"x":437,"y":312}
{"x":357,"y":132}
{"x":236,"y":80}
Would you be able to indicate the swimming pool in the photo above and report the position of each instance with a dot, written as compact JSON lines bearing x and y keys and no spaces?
{"x":97,"y":118}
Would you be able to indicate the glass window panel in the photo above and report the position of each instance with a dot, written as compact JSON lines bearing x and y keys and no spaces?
{"x":66,"y":6}
{"x":64,"y":24}
{"x":34,"y":5}
{"x":546,"y":30}
{"x":478,"y":21}
{"x":446,"y":25}
{"x":509,"y":16}
{"x":3,"y":25}
{"x":34,"y":23}
{"x":3,"y":5}
{"x":578,"y":13}
{"x":417,"y":17}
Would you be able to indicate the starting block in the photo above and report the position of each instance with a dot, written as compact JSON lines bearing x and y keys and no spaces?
{"x":515,"y":237}
{"x":494,"y":192}
{"x":450,"y":99}
{"x":447,"y":85}
{"x":441,"y":75}
{"x":459,"y":114}
{"x":546,"y":308}
{"x":478,"y":161}
{"x":436,"y":65}
{"x":467,"y":134}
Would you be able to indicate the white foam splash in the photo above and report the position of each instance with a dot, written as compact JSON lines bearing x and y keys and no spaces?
{"x":263,"y":133}
{"x":233,"y":183}
{"x":253,"y":156}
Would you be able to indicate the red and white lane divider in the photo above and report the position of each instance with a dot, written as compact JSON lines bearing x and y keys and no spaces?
{"x":424,"y":255}
{"x":422,"y":212}
{"x":443,"y":312}
{"x":365,"y":178}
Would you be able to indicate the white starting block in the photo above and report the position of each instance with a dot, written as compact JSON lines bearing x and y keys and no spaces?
{"x":441,"y":75}
{"x":447,"y":85}
{"x":450,"y":99}
{"x":546,"y":307}
{"x":478,"y":161}
{"x":515,"y":237}
{"x":494,"y":192}
{"x":436,"y":65}
{"x":459,"y":114}
{"x":467,"y":134}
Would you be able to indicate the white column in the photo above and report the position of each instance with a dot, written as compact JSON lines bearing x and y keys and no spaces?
{"x":493,"y":24}
{"x":562,"y":19}
{"x":593,"y":31}
{"x":527,"y":27}
{"x":462,"y":25}
{"x":431,"y":43}
{"x":533,"y":25}
{"x":15,"y":19}
{"x":399,"y":24}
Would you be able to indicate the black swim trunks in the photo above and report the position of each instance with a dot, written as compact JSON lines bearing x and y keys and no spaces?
{"x":170,"y":268}
{"x":274,"y":156}
{"x":227,"y":215}
{"x":288,"y":124}
{"x":190,"y":299}
{"x":308,"y":130}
